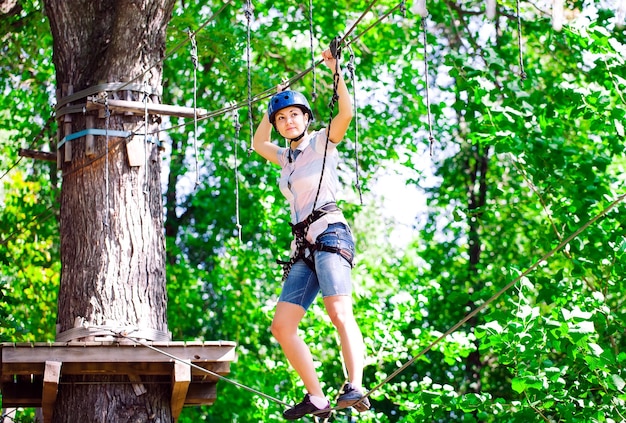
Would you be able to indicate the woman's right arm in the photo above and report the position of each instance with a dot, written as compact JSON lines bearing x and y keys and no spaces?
{"x":262,"y":142}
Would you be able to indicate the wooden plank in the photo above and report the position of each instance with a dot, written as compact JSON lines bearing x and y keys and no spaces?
{"x":114,"y":368}
{"x":68,"y":90}
{"x":201,"y":394}
{"x":136,"y":151}
{"x":181,"y":378}
{"x":90,"y":149}
{"x":22,"y":391}
{"x":51,"y":376}
{"x":38,"y":155}
{"x":138,"y":387}
{"x":80,"y":352}
{"x":139,"y":108}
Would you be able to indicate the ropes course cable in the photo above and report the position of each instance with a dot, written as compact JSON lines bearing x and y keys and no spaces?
{"x":179,"y":45}
{"x":237,"y":126}
{"x":351,"y":69}
{"x":429,"y":115}
{"x":107,"y":118}
{"x":146,"y":186}
{"x":194,"y":60}
{"x":469,"y":316}
{"x":336,"y":52}
{"x":311,"y":35}
{"x":495,"y":296}
{"x":266,"y":94}
{"x":248,"y":12}
{"x":202,"y":369}
{"x":522,"y":73}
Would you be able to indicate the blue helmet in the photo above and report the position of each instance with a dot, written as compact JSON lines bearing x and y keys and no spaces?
{"x":288,"y":98}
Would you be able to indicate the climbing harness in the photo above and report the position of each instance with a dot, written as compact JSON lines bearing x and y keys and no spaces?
{"x":304,"y":249}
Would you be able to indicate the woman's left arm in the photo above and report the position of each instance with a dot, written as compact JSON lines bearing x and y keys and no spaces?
{"x":341,"y":121}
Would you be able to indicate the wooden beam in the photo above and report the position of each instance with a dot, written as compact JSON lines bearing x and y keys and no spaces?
{"x":112,"y":352}
{"x":139,"y":108}
{"x":201,"y":394}
{"x":181,"y":378}
{"x":51,"y":376}
{"x":38,"y":155}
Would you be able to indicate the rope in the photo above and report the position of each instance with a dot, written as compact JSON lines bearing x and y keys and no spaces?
{"x":336,"y":52}
{"x":11,"y":167}
{"x":107,"y":116}
{"x":351,"y":70}
{"x":473,"y":313}
{"x":202,"y":369}
{"x":429,"y":114}
{"x":248,"y":13}
{"x":522,"y":73}
{"x":194,"y":60}
{"x":311,"y":34}
{"x":478,"y":309}
{"x":264,"y":95}
{"x":237,"y":218}
{"x":179,"y":45}
{"x":146,"y":186}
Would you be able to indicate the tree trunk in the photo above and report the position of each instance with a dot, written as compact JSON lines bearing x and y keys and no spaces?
{"x":112,"y":244}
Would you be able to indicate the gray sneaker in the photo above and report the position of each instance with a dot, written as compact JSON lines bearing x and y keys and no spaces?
{"x":353,"y":397}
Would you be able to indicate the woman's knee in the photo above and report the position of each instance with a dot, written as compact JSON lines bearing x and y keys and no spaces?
{"x":286,"y":320}
{"x":340,"y":313}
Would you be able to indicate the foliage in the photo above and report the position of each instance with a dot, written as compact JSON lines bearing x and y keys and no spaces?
{"x":518,"y":165}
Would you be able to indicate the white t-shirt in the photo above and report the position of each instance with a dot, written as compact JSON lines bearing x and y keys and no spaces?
{"x":300,"y":179}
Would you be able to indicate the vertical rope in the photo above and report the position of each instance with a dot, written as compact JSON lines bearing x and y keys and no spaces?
{"x":522,"y":73}
{"x":249,"y":15}
{"x":311,"y":35}
{"x":351,"y":68}
{"x":237,"y":128}
{"x":431,"y":138}
{"x":107,"y":115}
{"x":194,"y":59}
{"x":335,"y":49}
{"x":146,"y":186}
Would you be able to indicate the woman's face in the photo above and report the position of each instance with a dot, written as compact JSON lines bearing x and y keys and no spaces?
{"x":291,"y":122}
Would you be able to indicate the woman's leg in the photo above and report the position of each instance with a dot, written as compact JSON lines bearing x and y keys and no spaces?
{"x":285,"y":329}
{"x":339,"y":308}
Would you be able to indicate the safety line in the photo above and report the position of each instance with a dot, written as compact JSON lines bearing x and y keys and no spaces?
{"x":202,"y":369}
{"x":499,"y":293}
{"x":264,"y":95}
{"x":179,"y":45}
{"x":12,"y":167}
{"x":470,"y":315}
{"x":23,"y":228}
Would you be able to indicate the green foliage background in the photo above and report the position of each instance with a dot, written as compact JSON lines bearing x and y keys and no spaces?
{"x":517,"y":166}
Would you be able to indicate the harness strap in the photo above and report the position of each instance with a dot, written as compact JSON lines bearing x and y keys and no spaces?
{"x":299,"y":230}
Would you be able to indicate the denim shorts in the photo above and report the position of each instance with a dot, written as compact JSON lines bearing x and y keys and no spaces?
{"x":332,"y":270}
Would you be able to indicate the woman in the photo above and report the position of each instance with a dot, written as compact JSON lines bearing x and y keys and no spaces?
{"x":323,"y":247}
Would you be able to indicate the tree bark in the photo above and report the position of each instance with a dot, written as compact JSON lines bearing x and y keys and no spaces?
{"x":111,"y":220}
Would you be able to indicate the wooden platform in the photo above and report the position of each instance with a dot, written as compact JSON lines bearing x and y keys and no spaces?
{"x":31,"y":372}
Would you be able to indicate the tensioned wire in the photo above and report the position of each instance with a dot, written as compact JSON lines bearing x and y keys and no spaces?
{"x":430,"y":346}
